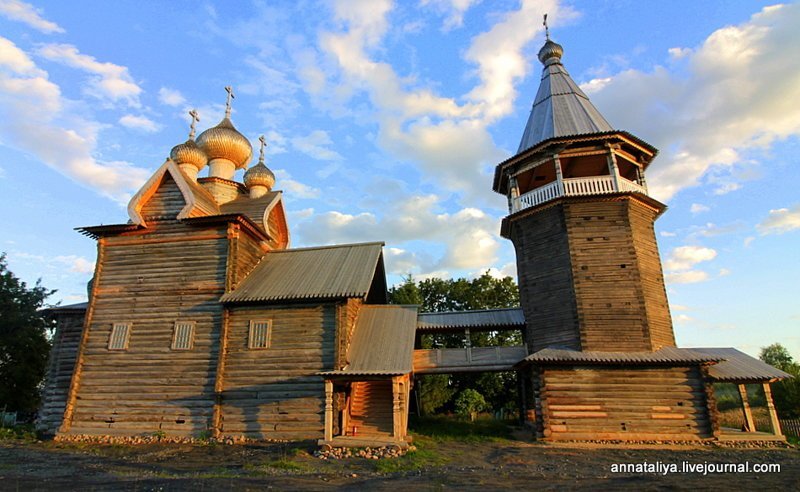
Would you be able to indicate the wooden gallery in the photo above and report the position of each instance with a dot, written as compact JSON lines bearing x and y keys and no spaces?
{"x":202,"y":321}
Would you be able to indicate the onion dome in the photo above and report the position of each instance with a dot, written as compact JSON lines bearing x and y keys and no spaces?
{"x":189,"y":153}
{"x":225,"y":142}
{"x":551,"y":52}
{"x":260,"y":175}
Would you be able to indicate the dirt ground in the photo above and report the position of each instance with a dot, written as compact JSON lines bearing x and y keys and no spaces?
{"x":495,"y":464}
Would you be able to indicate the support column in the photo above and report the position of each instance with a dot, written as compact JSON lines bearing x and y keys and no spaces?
{"x":328,"y":410}
{"x":468,"y":346}
{"x":613,"y":169}
{"x":513,"y":196}
{"x":773,"y":415}
{"x":748,"y":415}
{"x":396,"y":415}
{"x":559,"y":175}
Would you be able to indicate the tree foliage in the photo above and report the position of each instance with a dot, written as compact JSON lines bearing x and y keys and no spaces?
{"x":439,"y":391}
{"x":469,"y":402}
{"x":785,"y":393}
{"x":24,"y":346}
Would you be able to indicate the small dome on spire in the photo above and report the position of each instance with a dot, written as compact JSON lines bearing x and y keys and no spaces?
{"x":188,"y":152}
{"x":260,"y":174}
{"x":225,"y":142}
{"x":551,"y":52}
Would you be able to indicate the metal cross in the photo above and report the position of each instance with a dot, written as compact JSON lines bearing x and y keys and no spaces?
{"x":195,"y":118}
{"x":261,"y":152}
{"x":546,"y":29}
{"x":229,"y":90}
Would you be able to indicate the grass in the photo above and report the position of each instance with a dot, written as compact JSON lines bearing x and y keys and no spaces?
{"x":25,"y":433}
{"x":425,"y":456}
{"x":443,"y":428}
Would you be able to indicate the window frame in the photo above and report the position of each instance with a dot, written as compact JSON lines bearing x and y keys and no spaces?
{"x":251,"y":335}
{"x":125,"y":341}
{"x":192,"y":325}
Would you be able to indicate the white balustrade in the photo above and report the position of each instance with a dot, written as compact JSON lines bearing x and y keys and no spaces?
{"x":593,"y":185}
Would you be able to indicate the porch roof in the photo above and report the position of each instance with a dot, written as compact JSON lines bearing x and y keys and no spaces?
{"x":740,"y":367}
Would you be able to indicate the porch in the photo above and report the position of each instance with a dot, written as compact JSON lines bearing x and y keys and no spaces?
{"x":591,"y":185}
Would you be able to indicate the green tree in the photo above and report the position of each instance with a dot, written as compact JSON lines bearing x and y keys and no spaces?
{"x":785,"y":393}
{"x":776,"y":355}
{"x":24,"y":346}
{"x":469,"y":402}
{"x":437,"y":295}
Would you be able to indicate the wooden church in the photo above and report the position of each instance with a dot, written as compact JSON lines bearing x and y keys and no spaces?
{"x":202,"y":321}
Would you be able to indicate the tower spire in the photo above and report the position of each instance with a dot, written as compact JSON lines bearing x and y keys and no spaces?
{"x":546,"y":29}
{"x":195,"y":118}
{"x":231,"y":96}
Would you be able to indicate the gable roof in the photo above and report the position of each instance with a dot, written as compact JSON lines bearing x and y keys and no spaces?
{"x":560,"y":109}
{"x":484,"y":318}
{"x":383,"y":342}
{"x":739,"y":367}
{"x":326,"y":272}
{"x":199,"y":202}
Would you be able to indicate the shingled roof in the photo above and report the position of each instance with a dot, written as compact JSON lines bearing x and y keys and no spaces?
{"x":326,"y":272}
{"x":740,"y":367}
{"x":383,"y":342}
{"x":561,"y":108}
{"x":663,"y":356}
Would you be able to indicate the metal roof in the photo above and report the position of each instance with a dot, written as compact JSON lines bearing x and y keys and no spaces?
{"x":665,"y":355}
{"x":485,"y":318}
{"x":383,"y":342}
{"x":324,"y":272}
{"x":69,"y":308}
{"x":739,"y":366}
{"x":560,"y":109}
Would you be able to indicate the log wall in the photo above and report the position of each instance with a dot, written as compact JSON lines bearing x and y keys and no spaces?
{"x":275,"y":392}
{"x":59,"y":372}
{"x":172,"y":272}
{"x":545,"y":279}
{"x":625,"y":403}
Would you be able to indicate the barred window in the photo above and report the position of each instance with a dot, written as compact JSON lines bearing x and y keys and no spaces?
{"x":183,"y":335}
{"x":260,"y":332}
{"x":120,"y":333}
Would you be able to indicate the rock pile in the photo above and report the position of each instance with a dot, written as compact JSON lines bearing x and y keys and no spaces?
{"x":158,"y":438}
{"x":366,"y":453}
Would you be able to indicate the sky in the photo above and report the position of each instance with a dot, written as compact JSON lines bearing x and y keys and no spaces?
{"x":384,"y":121}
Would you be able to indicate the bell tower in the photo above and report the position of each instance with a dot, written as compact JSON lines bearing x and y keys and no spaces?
{"x":581,"y":221}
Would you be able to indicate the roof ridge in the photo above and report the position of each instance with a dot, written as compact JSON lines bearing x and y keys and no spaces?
{"x":331,"y":246}
{"x":473,"y":311}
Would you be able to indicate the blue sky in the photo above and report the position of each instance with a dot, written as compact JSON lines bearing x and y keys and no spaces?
{"x":385,"y":120}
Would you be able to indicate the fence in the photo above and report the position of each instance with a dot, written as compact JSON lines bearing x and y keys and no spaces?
{"x":790,"y":427}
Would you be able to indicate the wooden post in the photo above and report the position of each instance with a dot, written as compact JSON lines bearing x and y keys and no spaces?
{"x":748,"y":415}
{"x":513,"y":204}
{"x":613,"y":169}
{"x":468,"y":346}
{"x":559,"y":174}
{"x":328,"y":410}
{"x":773,"y":415}
{"x":396,"y":416}
{"x":219,"y":384}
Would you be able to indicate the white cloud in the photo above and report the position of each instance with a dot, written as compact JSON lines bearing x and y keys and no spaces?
{"x":292,"y":187}
{"x":16,"y":60}
{"x":77,"y":264}
{"x":453,"y":11}
{"x":110,"y":81}
{"x":33,"y":119}
{"x":467,"y":238}
{"x":685,"y":257}
{"x":139,"y":122}
{"x":171,"y":97}
{"x":748,"y":241}
{"x":316,"y":144}
{"x":733,"y":99}
{"x":698,"y":208}
{"x":686,"y":277}
{"x":679,"y":53}
{"x":780,"y":221}
{"x":28,"y":14}
{"x":667,"y":234}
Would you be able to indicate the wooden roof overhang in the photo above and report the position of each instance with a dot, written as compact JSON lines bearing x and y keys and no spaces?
{"x":484,"y":320}
{"x":664,"y":357}
{"x":650,"y":202}
{"x":630,"y":144}
{"x":96,"y":232}
{"x":738,"y":367}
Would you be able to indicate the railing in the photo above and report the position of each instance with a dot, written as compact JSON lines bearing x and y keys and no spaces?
{"x":469,"y":359}
{"x":595,"y":185}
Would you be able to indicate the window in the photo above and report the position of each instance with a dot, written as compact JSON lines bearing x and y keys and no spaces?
{"x":183,"y":335}
{"x":260,"y":331}
{"x":120,"y":333}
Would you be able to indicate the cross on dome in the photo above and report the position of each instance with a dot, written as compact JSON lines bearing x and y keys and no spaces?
{"x":261,"y":151}
{"x":231,"y":96}
{"x":195,"y":118}
{"x":546,"y":29}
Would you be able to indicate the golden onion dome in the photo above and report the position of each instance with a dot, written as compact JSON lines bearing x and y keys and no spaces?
{"x":259,"y":175}
{"x":551,"y":50}
{"x":189,"y":153}
{"x":225,"y":142}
